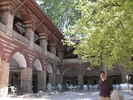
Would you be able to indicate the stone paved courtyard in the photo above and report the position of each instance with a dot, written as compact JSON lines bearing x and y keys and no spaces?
{"x":68,"y":95}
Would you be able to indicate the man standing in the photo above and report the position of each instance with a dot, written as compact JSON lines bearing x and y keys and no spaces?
{"x":105,"y":87}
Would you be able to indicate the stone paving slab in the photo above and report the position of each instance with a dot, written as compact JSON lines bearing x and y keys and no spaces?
{"x":68,"y":95}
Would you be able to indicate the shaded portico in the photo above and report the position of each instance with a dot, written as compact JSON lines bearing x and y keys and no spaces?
{"x":114,"y":75}
{"x":91,"y":76}
{"x":70,"y":76}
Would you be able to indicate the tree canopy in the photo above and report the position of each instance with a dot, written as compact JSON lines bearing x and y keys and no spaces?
{"x":61,"y":12}
{"x":103,"y":28}
{"x":104,"y":31}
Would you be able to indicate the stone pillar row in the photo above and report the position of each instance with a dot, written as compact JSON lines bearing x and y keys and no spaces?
{"x":26,"y":77}
{"x":7,"y":19}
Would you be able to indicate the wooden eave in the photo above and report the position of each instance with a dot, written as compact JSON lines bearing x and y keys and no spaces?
{"x":34,"y":7}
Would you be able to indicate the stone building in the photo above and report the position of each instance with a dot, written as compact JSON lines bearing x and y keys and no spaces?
{"x":32,"y":54}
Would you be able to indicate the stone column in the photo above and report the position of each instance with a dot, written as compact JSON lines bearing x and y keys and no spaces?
{"x":26,"y":77}
{"x":7,"y":19}
{"x":4,"y":77}
{"x":123,"y":76}
{"x":53,"y":49}
{"x":79,"y":58}
{"x":52,"y":79}
{"x":80,"y":80}
{"x":43,"y":44}
{"x":61,"y":79}
{"x":41,"y":77}
{"x":30,"y":35}
{"x":80,"y":76}
{"x":57,"y":79}
{"x":60,"y":53}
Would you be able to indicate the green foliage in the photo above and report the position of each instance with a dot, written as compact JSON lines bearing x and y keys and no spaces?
{"x":107,"y":32}
{"x":61,"y":12}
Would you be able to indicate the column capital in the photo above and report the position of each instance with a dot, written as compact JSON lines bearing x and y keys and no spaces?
{"x":30,"y":35}
{"x":53,"y":49}
{"x":43,"y":36}
{"x":52,"y":45}
{"x":5,"y":6}
{"x":28,"y":25}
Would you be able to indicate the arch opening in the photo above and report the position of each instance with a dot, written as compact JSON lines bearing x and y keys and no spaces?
{"x":70,"y":76}
{"x":114,"y":75}
{"x":17,"y":63}
{"x":91,"y":76}
{"x":49,"y":69}
{"x":20,"y":59}
{"x":37,"y":64}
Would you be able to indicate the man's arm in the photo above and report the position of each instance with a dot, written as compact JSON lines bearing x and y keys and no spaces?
{"x":111,"y":87}
{"x":111,"y":92}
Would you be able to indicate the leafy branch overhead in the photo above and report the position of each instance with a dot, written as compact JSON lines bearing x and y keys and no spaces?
{"x":102,"y":28}
{"x":107,"y":29}
{"x":61,"y":12}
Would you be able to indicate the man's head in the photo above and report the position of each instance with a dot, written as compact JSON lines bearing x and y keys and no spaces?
{"x":102,"y":74}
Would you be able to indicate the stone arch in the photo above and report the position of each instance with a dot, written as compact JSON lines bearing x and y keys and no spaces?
{"x":38,"y":61}
{"x":38,"y":65}
{"x":72,"y":71}
{"x":90,"y":76}
{"x":114,"y":71}
{"x":115,"y":75}
{"x":20,"y":53}
{"x":49,"y":69}
{"x":91,"y":72}
{"x":20,"y":59}
{"x":70,"y":76}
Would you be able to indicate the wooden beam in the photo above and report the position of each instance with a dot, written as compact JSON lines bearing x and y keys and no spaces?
{"x":39,"y":24}
{"x":19,"y":7}
{"x":51,"y":35}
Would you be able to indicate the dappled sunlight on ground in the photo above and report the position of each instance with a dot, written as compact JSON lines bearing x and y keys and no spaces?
{"x":68,"y":95}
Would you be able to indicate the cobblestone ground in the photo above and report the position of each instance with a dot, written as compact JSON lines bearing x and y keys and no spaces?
{"x":68,"y":95}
